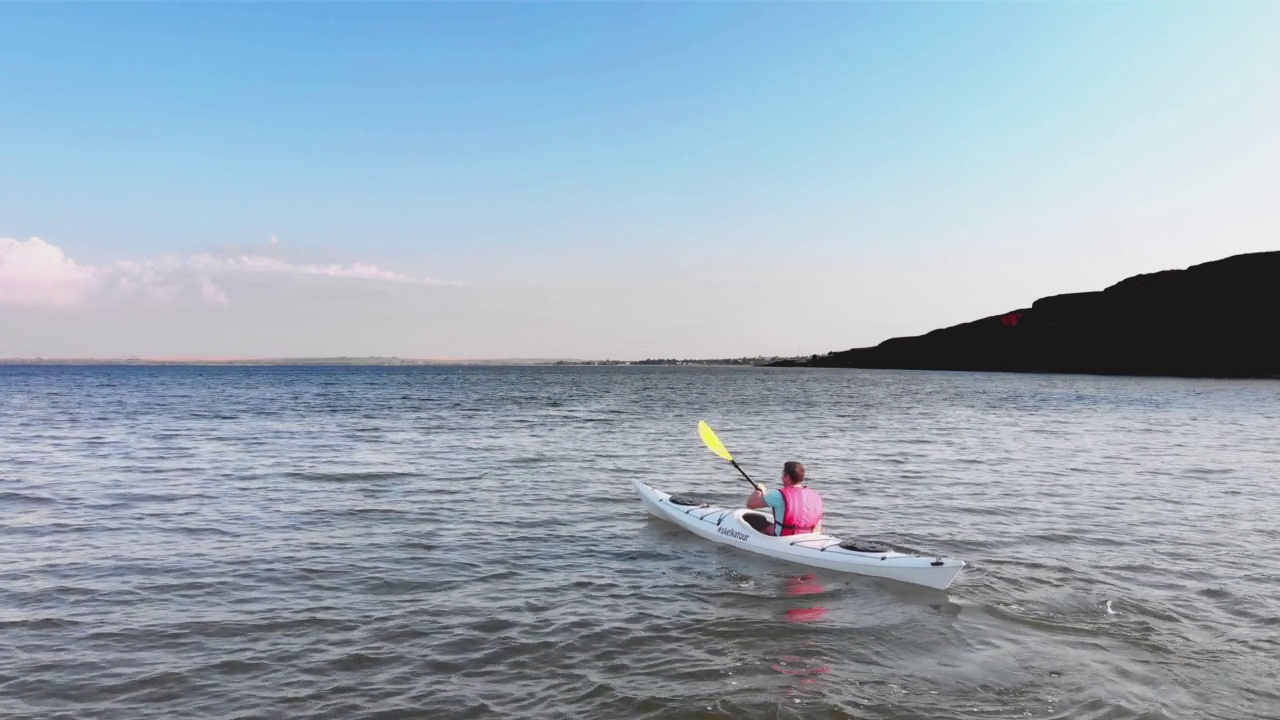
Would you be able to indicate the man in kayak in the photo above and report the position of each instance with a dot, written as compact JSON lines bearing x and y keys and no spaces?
{"x":797,"y":508}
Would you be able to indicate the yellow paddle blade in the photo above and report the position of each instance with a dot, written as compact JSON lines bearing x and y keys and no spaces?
{"x":713,"y":442}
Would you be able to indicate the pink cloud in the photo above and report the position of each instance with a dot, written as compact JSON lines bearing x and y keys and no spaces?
{"x":34,"y":273}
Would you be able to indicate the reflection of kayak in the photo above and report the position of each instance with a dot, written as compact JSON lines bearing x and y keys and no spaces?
{"x":734,"y":527}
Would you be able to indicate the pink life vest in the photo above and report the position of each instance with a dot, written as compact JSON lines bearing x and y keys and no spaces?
{"x":804,"y":510}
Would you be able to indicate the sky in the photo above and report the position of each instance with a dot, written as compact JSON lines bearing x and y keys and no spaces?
{"x":609,"y":180}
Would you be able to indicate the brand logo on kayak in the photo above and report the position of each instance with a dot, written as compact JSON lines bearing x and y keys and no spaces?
{"x":733,"y":534}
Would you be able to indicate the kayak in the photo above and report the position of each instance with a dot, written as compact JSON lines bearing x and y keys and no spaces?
{"x":739,"y":528}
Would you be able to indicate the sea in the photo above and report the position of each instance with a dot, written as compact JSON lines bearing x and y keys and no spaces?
{"x":364,"y":543}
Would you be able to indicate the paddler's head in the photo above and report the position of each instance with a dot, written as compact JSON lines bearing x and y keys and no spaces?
{"x":792,"y":473}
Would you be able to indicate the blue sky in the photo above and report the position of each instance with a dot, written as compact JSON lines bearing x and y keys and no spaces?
{"x":610,"y":180}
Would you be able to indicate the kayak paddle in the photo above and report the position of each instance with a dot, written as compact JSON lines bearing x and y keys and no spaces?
{"x":717,"y":447}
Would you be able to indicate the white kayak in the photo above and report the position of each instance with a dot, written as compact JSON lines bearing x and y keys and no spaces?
{"x":733,"y":527}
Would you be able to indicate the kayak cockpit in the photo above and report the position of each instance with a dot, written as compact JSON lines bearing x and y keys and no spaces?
{"x":758,"y":522}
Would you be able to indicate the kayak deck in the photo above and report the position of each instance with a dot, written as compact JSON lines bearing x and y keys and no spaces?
{"x":734,"y":527}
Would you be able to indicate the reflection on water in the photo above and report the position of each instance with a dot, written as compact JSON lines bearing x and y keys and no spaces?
{"x":805,"y":585}
{"x":808,"y":662}
{"x":806,"y":614}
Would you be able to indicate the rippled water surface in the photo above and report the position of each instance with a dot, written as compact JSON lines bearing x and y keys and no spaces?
{"x":464,"y":542}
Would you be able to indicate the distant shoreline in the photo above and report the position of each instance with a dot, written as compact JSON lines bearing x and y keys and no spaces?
{"x":372,"y":362}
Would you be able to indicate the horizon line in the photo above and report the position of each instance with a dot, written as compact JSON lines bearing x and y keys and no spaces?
{"x":285,"y":358}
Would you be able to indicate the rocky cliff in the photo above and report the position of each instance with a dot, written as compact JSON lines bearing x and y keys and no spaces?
{"x":1219,"y":318}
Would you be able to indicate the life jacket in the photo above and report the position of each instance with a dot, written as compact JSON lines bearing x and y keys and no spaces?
{"x":803,"y":510}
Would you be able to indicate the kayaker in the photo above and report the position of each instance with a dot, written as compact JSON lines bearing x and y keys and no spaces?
{"x":797,"y":508}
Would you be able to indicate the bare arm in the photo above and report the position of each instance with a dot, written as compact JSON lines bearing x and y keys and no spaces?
{"x":756,"y":500}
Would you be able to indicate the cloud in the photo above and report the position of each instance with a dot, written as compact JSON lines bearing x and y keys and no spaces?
{"x":261,"y":264}
{"x":35,"y":273}
{"x":212,"y":294}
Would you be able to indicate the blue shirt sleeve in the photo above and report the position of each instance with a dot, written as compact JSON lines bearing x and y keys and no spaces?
{"x":774,"y":500}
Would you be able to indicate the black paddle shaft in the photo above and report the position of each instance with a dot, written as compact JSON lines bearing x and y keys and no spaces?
{"x":735,"y":464}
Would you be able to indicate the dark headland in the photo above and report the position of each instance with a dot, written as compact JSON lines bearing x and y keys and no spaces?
{"x":1217,"y":319}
